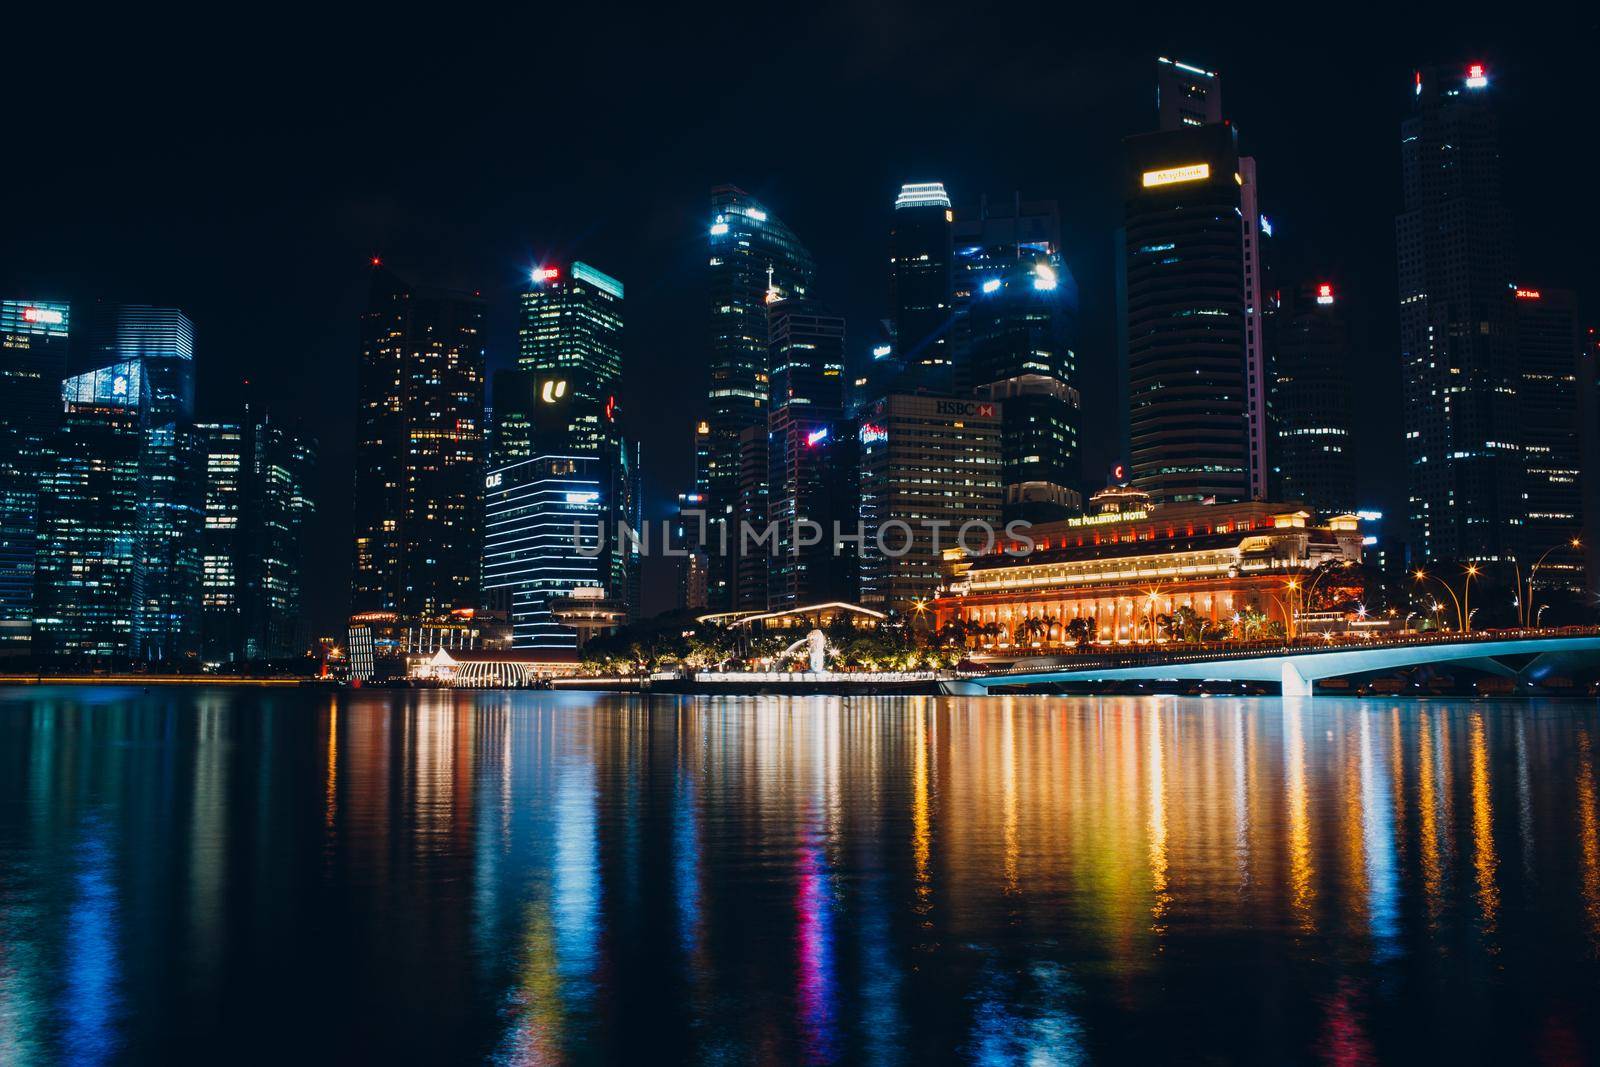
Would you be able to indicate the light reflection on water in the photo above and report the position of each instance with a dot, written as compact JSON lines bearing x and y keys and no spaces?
{"x":537,"y":878}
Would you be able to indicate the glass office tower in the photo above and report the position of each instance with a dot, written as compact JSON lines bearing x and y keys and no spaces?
{"x":33,"y":359}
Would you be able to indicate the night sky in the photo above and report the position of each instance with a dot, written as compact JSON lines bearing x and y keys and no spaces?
{"x":246,"y":172}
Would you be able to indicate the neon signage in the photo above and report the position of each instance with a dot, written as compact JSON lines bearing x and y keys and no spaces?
{"x":1191,"y":172}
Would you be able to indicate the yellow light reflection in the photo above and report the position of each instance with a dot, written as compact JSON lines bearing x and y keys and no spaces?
{"x":1485,"y":861}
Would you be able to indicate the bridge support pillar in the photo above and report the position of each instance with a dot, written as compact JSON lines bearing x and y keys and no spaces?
{"x":1295,"y":684}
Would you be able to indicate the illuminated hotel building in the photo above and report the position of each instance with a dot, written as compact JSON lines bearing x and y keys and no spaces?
{"x":1183,"y":302}
{"x":925,"y":460}
{"x":919,"y":291}
{"x":33,"y":360}
{"x":1549,"y":346}
{"x":1125,"y":569}
{"x":257,"y":504}
{"x":1312,"y":402}
{"x":1462,"y":421}
{"x":538,"y":514}
{"x":419,"y":450}
{"x":754,"y":259}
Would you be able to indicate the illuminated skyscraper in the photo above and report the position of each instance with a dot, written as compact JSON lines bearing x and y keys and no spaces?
{"x":1182,"y":296}
{"x":920,"y":289}
{"x":142,"y":361}
{"x":89,"y":582}
{"x":1549,"y":347}
{"x":571,"y":352}
{"x":33,"y":360}
{"x":1311,"y":398}
{"x":542,"y":515}
{"x":810,"y":451}
{"x":571,"y":336}
{"x":419,"y":450}
{"x":754,"y":259}
{"x":257,"y":506}
{"x":1187,"y":97}
{"x":1018,"y":309}
{"x":1463,"y":425}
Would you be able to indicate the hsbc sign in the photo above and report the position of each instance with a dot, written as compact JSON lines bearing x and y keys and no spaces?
{"x":976,"y":408}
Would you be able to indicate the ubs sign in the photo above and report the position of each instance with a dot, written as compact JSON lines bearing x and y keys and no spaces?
{"x":976,"y":408}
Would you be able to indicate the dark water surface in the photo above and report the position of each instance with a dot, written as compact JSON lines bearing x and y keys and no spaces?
{"x":227,"y":876}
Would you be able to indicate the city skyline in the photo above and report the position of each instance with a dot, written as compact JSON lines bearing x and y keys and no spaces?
{"x":667,"y":351}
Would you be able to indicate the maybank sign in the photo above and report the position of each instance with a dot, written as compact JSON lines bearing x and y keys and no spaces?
{"x":1191,"y":172}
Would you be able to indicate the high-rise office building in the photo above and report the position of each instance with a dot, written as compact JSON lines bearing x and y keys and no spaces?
{"x":257,"y":504}
{"x":1463,"y":429}
{"x":923,"y":349}
{"x":542,"y":530}
{"x":571,"y":344}
{"x":419,"y":450}
{"x":1189,"y":96}
{"x":1182,"y":296}
{"x":1311,"y":396}
{"x":33,"y":359}
{"x":754,"y":260}
{"x":1549,"y":346}
{"x":810,"y":451}
{"x":1019,"y":306}
{"x":571,"y":333}
{"x":89,"y":580}
{"x":141,"y":359}
{"x":929,"y":465}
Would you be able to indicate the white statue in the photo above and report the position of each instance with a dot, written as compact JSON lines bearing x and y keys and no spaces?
{"x":816,"y":645}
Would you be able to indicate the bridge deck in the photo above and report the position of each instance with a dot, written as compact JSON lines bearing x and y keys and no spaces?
{"x":1295,"y":666}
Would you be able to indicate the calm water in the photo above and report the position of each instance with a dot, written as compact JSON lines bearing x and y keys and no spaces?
{"x":530,"y":877}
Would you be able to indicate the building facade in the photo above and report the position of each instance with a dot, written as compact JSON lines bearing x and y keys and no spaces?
{"x":257,"y":507}
{"x":1241,"y":567}
{"x":419,"y":450}
{"x":34,"y":335}
{"x":1463,"y":425}
{"x":542,"y":539}
{"x":929,"y":466}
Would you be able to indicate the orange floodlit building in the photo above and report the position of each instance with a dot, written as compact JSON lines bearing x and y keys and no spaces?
{"x":1126,"y":568}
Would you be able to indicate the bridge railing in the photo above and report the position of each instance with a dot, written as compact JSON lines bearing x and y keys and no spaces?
{"x":1176,"y":652}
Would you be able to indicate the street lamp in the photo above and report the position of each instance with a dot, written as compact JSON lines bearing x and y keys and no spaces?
{"x":1466,"y":609}
{"x":1461,"y":618}
{"x":1526,"y":603}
